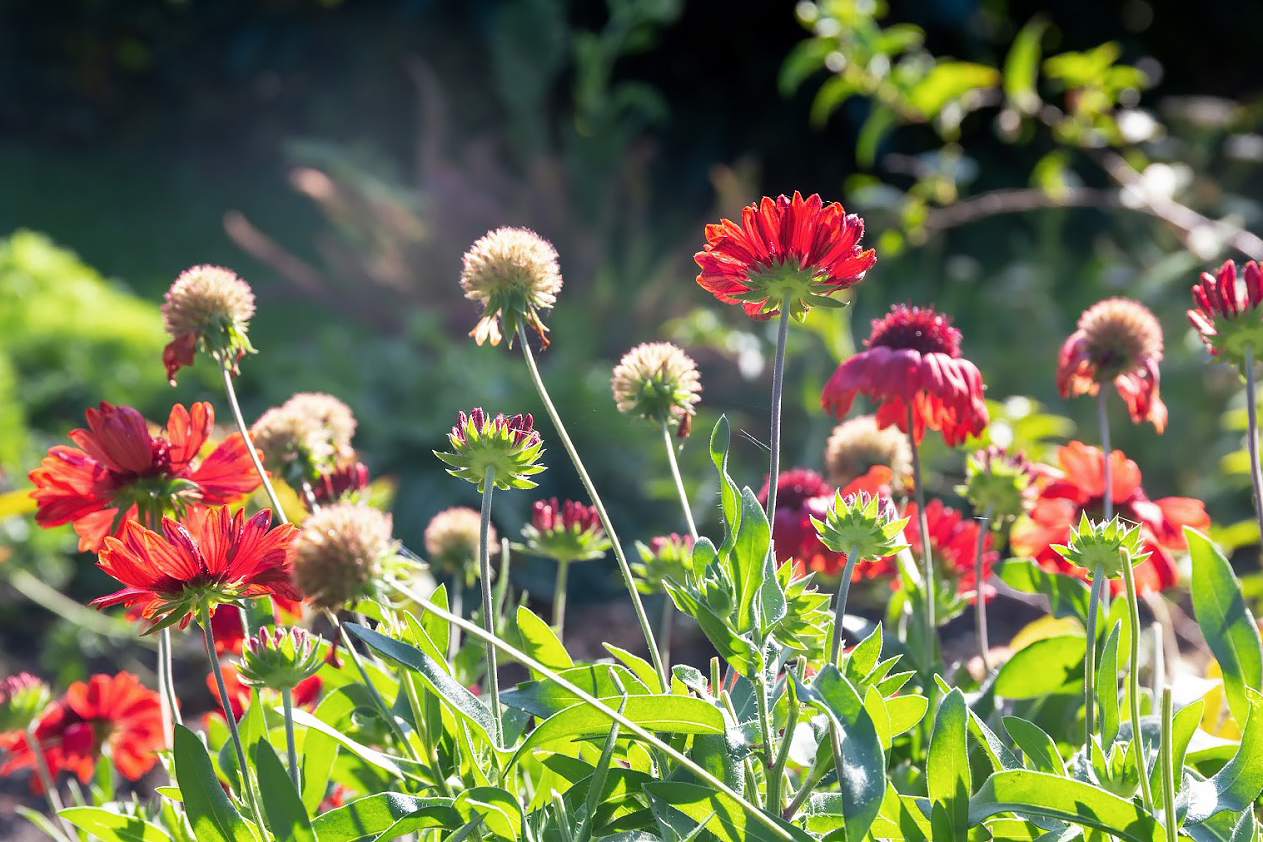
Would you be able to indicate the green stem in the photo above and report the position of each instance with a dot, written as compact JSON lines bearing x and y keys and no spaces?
{"x":628,"y":579}
{"x":559,"y":597}
{"x":762,"y":692}
{"x":980,"y":601}
{"x":782,"y":758}
{"x":1133,"y":682}
{"x":457,"y":602}
{"x":46,"y":779}
{"x":83,"y":619}
{"x":1168,"y":769}
{"x":226,"y":705}
{"x":778,"y":388}
{"x":1252,"y":434}
{"x":1089,"y":660}
{"x":679,"y":483}
{"x":1102,"y":418}
{"x":278,"y":511}
{"x":166,"y":688}
{"x":927,"y":557}
{"x":488,"y":609}
{"x":287,"y":704}
{"x":839,"y":609}
{"x":383,"y":709}
{"x":814,"y":774}
{"x":664,"y":630}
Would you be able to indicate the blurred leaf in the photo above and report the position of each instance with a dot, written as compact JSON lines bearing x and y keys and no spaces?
{"x":948,"y":83}
{"x":1045,"y":667}
{"x":1065,"y":799}
{"x":112,"y":826}
{"x":1021,"y":66}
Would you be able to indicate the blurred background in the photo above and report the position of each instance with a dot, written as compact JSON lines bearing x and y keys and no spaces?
{"x":1014,"y":161}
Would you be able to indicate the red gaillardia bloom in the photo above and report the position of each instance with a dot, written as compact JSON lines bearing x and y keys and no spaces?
{"x":1079,"y":488}
{"x":954,"y":542}
{"x":115,"y":712}
{"x":800,"y":249}
{"x":121,"y":472}
{"x":1120,"y":340}
{"x":913,"y":362}
{"x":1228,"y":314}
{"x":219,"y":557}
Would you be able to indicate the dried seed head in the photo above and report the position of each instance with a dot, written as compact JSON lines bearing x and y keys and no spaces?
{"x":207,"y":307}
{"x":513,"y":273}
{"x":657,"y":381}
{"x":451,"y":542}
{"x":858,"y":444}
{"x":339,"y":553}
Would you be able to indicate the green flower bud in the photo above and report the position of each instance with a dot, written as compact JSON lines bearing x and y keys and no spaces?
{"x":567,"y":532}
{"x":666,"y":557}
{"x":23,"y":699}
{"x":860,"y":523}
{"x":511,"y":446}
{"x":1108,"y":544}
{"x":999,"y":482}
{"x":279,"y":659}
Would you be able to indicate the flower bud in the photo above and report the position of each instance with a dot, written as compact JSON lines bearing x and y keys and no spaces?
{"x":279,"y":659}
{"x":863,"y":524}
{"x":23,"y":698}
{"x":509,"y":446}
{"x":1107,"y":544}
{"x":666,"y":557}
{"x":570,"y":531}
{"x":999,"y":482}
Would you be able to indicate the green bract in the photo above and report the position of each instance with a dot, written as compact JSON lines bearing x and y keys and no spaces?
{"x":510,"y":447}
{"x":279,"y":659}
{"x":861,"y":524}
{"x":1105,"y":544}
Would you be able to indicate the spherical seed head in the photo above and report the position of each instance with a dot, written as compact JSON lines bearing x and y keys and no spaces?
{"x":1120,"y":336}
{"x":339,"y":553}
{"x":307,"y":436}
{"x":1108,"y":544}
{"x":510,"y":447}
{"x":513,"y":273}
{"x":569,"y":531}
{"x":23,"y":698}
{"x":451,"y":542}
{"x":207,"y":307}
{"x":863,"y":524}
{"x":279,"y":659}
{"x":999,"y":482}
{"x":657,"y":381}
{"x":858,"y":444}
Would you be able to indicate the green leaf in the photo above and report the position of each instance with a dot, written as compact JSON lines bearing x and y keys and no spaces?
{"x":371,"y":756}
{"x":1043,"y":668}
{"x":112,"y":826}
{"x":1039,"y":748}
{"x":861,"y":660}
{"x":947,"y":770}
{"x":876,"y":126}
{"x":1064,"y":799}
{"x":719,"y":814}
{"x":1225,"y":827}
{"x":545,"y":698}
{"x":1107,"y":686}
{"x":500,"y":812}
{"x":1225,"y":620}
{"x":729,"y":495}
{"x":282,"y":806}
{"x":373,"y":814}
{"x":905,"y":713}
{"x":1239,"y":782}
{"x":638,"y":666}
{"x":316,"y":757}
{"x":211,"y":814}
{"x":749,"y":553}
{"x":948,"y":82}
{"x":1021,"y":66}
{"x":540,"y":642}
{"x":897,"y":819}
{"x":1067,"y":597}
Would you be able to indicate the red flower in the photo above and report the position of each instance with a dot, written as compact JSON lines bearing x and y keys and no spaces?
{"x":1079,"y":487}
{"x":797,"y":248}
{"x":954,"y":543}
{"x":305,"y":693}
{"x":117,"y":712}
{"x":1228,"y":315}
{"x":226,"y":627}
{"x":218,"y":558}
{"x":1118,"y":339}
{"x":913,"y":362}
{"x":120,"y":469}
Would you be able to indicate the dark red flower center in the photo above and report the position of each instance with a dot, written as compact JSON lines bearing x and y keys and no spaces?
{"x":915,"y":329}
{"x":796,"y":487}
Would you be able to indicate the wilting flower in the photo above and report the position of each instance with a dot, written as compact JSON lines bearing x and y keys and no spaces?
{"x":797,"y":249}
{"x":279,"y":659}
{"x":858,"y":444}
{"x":1227,"y":314}
{"x":659,"y":382}
{"x":207,"y":307}
{"x":913,"y":367}
{"x":1078,"y":488}
{"x":307,"y":436}
{"x":23,"y":698}
{"x":340,"y":553}
{"x":665,"y":557}
{"x":216,"y":558}
{"x":1117,"y":340}
{"x":121,"y":472}
{"x":513,"y":274}
{"x":451,"y":543}
{"x":999,"y":482}
{"x":569,"y":531}
{"x":511,"y":447}
{"x":113,"y":714}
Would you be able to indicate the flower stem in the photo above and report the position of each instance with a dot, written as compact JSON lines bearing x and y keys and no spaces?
{"x":457,"y":604}
{"x":679,"y":483}
{"x":1133,"y":681}
{"x":1252,"y":434}
{"x":166,"y":688}
{"x":839,"y":610}
{"x":762,"y":690}
{"x":1168,"y":769}
{"x":488,"y":610}
{"x":226,"y":705}
{"x":278,"y":511}
{"x":46,"y":780}
{"x":559,"y":597}
{"x":778,"y":388}
{"x":287,"y":703}
{"x":1089,"y":661}
{"x":664,"y":630}
{"x":382,"y":708}
{"x":782,"y":757}
{"x":628,"y":580}
{"x":1107,"y":495}
{"x":980,"y":601}
{"x":927,"y":557}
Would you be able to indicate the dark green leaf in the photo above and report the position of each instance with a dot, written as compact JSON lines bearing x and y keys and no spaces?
{"x":1042,"y":668}
{"x":729,"y":495}
{"x":282,"y":806}
{"x":1065,"y":799}
{"x":111,"y":826}
{"x":947,"y":769}
{"x":373,"y":814}
{"x":721,"y":815}
{"x":211,"y":814}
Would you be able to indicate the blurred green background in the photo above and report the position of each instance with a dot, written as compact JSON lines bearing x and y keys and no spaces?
{"x":1015,"y":162}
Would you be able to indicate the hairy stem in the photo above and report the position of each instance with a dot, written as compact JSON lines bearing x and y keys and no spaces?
{"x":839,"y":609}
{"x":559,"y":597}
{"x":1133,"y":681}
{"x":1089,"y":660}
{"x":488,"y":609}
{"x":778,"y":387}
{"x":679,"y":483}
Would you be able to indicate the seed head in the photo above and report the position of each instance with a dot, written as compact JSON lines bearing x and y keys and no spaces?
{"x":207,"y":307}
{"x":659,"y":382}
{"x":451,"y":542}
{"x":513,"y":274}
{"x":339,"y":553}
{"x":307,"y":436}
{"x":858,"y":444}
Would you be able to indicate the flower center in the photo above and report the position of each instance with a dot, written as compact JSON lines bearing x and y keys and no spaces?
{"x":915,"y":329}
{"x":1121,"y":335}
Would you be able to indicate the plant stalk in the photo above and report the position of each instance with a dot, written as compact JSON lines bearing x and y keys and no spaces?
{"x":1252,"y":434}
{"x":1107,"y":470}
{"x":51,"y":794}
{"x":291,"y":750}
{"x":679,"y":482}
{"x":927,"y":556}
{"x":839,"y":610}
{"x":980,"y":601}
{"x":278,"y":511}
{"x":778,"y":388}
{"x":1167,"y":763}
{"x":1089,"y":660}
{"x":559,"y":597}
{"x":1133,"y":681}
{"x":488,"y":609}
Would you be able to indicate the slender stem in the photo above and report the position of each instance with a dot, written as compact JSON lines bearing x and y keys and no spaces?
{"x":927,"y":557}
{"x":814,"y":774}
{"x":559,"y":597}
{"x":1102,"y":418}
{"x":1089,"y":661}
{"x":457,"y":602}
{"x":761,"y":692}
{"x":1133,"y":682}
{"x":664,"y":630}
{"x":628,"y":579}
{"x":1252,"y":434}
{"x":782,"y":757}
{"x":84,"y":619}
{"x":1168,"y":769}
{"x":46,"y":780}
{"x":166,"y":688}
{"x":226,"y":705}
{"x":382,"y":708}
{"x":980,"y":601}
{"x":839,"y":610}
{"x":278,"y":511}
{"x":287,"y":704}
{"x":679,"y":483}
{"x":488,"y":610}
{"x":778,"y":387}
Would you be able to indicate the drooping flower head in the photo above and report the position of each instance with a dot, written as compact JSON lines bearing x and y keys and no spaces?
{"x":999,"y":482}
{"x":121,"y":472}
{"x":659,"y":382}
{"x":858,"y":444}
{"x":307,"y":436}
{"x":509,"y":446}
{"x":279,"y":658}
{"x":665,"y":557}
{"x":513,"y":274}
{"x":107,"y":713}
{"x":341,"y":552}
{"x":208,"y":307}
{"x":797,"y":249}
{"x":913,"y":365}
{"x":1117,"y":340}
{"x":213,"y":558}
{"x":569,"y":531}
{"x":452,"y":542}
{"x":1228,"y":314}
{"x":1077,"y":487}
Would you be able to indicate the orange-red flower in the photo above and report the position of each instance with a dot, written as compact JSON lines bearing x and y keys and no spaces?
{"x":954,"y":543}
{"x":1078,"y":487}
{"x":121,"y":471}
{"x":106,"y":712}
{"x":801,"y":249}
{"x":1120,"y":340}
{"x":1228,"y":314}
{"x":913,"y":362}
{"x":217,"y":558}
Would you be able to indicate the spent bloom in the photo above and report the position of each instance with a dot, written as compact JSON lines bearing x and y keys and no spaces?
{"x":569,"y":531}
{"x":800,"y":250}
{"x":510,"y":447}
{"x":121,"y":472}
{"x":1117,"y":340}
{"x":513,"y":274}
{"x":912,"y":369}
{"x":279,"y":658}
{"x":215,"y":557}
{"x":1227,"y":314}
{"x":307,"y":436}
{"x":452,"y":543}
{"x":858,"y":444}
{"x":340,"y":553}
{"x":208,"y":307}
{"x":659,"y":382}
